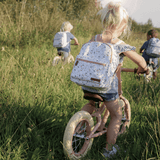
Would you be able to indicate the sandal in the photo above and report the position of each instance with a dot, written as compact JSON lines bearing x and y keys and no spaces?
{"x":112,"y":153}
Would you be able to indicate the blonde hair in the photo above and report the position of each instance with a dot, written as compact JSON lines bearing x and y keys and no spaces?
{"x":113,"y":14}
{"x":66,"y":26}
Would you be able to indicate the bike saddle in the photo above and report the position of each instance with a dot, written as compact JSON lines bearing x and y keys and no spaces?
{"x":92,"y":96}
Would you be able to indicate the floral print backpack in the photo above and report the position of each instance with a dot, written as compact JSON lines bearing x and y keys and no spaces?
{"x":153,"y":48}
{"x":60,"y":40}
{"x":95,"y":65}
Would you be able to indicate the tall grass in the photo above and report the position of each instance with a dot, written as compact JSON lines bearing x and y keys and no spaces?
{"x":32,"y":22}
{"x":37,"y":100}
{"x":23,"y":23}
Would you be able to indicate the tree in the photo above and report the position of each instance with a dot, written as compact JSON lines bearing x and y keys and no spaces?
{"x":149,"y":22}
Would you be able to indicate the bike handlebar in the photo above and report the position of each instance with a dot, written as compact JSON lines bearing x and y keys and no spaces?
{"x":134,"y":70}
{"x":75,"y":44}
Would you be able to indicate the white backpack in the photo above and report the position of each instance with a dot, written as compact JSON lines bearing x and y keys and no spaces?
{"x":153,"y":48}
{"x":95,"y":66}
{"x":60,"y":40}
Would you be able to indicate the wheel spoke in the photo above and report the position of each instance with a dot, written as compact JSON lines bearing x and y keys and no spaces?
{"x":81,"y":127}
{"x":79,"y":136}
{"x":77,"y":145}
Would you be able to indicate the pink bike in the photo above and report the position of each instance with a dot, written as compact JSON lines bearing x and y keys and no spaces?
{"x":82,"y":128}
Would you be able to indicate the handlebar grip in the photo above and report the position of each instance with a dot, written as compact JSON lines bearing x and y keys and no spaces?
{"x":146,"y":72}
{"x":135,"y":70}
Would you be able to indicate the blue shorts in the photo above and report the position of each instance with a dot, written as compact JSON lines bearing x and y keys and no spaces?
{"x":106,"y":96}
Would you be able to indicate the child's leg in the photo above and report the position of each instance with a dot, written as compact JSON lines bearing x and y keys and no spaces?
{"x":155,"y":61}
{"x":104,"y":120}
{"x":154,"y":75}
{"x":89,"y":107}
{"x":114,"y":125}
{"x":155,"y":67}
{"x":65,"y":55}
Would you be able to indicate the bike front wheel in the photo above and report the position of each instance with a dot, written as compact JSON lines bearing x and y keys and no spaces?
{"x":70,"y":59}
{"x":75,"y":144}
{"x":56,"y":60}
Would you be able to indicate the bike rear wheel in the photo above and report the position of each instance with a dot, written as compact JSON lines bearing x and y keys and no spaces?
{"x":75,"y":144}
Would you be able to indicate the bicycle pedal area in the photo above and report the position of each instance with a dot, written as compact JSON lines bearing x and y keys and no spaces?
{"x":150,"y":75}
{"x":152,"y":71}
{"x":60,"y":59}
{"x":96,"y":132}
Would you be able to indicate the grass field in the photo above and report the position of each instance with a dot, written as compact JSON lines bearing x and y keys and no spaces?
{"x":37,"y":100}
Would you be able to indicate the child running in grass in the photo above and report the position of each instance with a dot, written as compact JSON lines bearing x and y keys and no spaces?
{"x":150,"y":34}
{"x":67,"y":27}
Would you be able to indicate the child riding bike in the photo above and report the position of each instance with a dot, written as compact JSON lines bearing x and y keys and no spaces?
{"x":115,"y":21}
{"x":150,"y":34}
{"x":65,"y":50}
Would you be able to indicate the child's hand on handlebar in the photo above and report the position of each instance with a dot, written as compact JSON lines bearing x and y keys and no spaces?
{"x":140,"y":70}
{"x":76,"y":43}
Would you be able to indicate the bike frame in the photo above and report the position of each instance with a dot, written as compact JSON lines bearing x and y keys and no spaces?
{"x":81,"y":129}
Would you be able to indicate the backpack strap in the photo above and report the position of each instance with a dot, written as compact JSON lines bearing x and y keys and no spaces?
{"x":119,"y":42}
{"x":95,"y":38}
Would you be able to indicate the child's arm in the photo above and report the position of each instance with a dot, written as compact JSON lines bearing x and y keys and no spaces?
{"x":144,"y":46}
{"x":141,"y":50}
{"x":76,"y":41}
{"x":136,"y":58}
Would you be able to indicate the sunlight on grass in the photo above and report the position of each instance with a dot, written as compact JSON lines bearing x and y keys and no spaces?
{"x":37,"y":100}
{"x":34,"y":93}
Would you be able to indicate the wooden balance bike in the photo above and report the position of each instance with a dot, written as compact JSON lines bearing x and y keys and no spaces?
{"x":82,"y":128}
